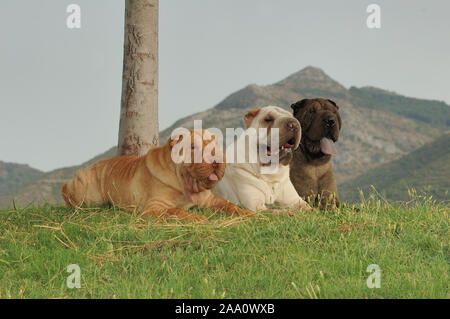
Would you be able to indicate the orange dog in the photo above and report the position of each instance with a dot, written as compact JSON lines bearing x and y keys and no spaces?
{"x":153,"y":183}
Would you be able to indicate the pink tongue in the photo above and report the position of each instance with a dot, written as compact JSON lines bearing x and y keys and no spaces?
{"x":327,"y":146}
{"x":213,"y":177}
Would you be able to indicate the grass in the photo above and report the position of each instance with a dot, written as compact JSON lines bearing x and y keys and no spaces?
{"x":323,"y":254}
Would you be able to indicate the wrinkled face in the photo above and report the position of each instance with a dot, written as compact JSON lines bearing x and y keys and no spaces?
{"x":206,"y":165}
{"x":289,"y":130}
{"x":321,"y":123}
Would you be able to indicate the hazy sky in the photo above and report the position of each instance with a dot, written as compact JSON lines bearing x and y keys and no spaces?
{"x":60,"y":88}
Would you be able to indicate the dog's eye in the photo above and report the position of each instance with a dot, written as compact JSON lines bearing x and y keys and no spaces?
{"x":268,"y":119}
{"x":312,"y":110}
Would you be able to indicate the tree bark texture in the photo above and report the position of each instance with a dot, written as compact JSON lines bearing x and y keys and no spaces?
{"x":138,"y":129}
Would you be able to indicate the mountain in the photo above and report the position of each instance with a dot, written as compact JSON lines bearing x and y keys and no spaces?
{"x":46,"y":186}
{"x":13,"y":176}
{"x":436,"y":113}
{"x":371,"y":135}
{"x":425,"y":169}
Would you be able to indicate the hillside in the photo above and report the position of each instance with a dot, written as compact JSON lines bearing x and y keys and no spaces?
{"x":13,"y":176}
{"x":436,"y":113}
{"x":46,"y":186}
{"x":425,"y":169}
{"x":370,"y":135}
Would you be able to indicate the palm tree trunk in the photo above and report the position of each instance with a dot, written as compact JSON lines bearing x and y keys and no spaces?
{"x":138,"y":129}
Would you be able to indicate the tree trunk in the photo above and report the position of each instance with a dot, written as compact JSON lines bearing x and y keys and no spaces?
{"x":138,"y":129}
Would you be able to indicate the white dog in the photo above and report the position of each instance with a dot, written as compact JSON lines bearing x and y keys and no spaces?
{"x":247,"y":183}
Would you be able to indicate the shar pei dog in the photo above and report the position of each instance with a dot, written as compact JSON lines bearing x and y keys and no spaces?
{"x":254,"y":184}
{"x":155,"y":184}
{"x":311,"y":171}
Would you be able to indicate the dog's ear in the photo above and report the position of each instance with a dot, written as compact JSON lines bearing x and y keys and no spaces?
{"x":175,"y":139}
{"x":248,"y":118}
{"x":334,"y":103}
{"x":297,"y":106}
{"x":339,"y":120}
{"x":305,"y":118}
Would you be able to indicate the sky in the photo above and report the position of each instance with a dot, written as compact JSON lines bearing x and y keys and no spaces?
{"x":60,"y":88}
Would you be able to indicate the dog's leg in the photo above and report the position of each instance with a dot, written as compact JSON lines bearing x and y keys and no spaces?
{"x":83,"y":189}
{"x":214,"y":202}
{"x":251,"y":197}
{"x":288,"y":197}
{"x":159,"y":210}
{"x":328,"y":199}
{"x":327,"y":191}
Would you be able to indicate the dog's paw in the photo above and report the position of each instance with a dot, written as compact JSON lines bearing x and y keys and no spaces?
{"x":244,"y":212}
{"x":234,"y":209}
{"x":304,"y":206}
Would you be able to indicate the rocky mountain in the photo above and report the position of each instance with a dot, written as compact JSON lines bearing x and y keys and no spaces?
{"x":46,"y":187}
{"x":370,"y":136}
{"x":426,"y":169}
{"x":436,"y":113}
{"x":374,"y":131}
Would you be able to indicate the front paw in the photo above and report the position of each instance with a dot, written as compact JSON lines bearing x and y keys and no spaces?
{"x":241,"y":211}
{"x":246,"y":212}
{"x":304,"y":206}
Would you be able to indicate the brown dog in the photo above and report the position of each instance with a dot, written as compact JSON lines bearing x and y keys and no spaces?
{"x":311,"y":171}
{"x":153,"y":184}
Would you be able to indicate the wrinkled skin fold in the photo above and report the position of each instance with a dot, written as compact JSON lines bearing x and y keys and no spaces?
{"x":153,"y":184}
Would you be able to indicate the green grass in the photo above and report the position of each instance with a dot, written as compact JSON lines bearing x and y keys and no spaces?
{"x":323,"y":254}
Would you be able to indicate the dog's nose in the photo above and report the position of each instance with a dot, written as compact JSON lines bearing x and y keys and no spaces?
{"x":330,"y":121}
{"x":292,"y":125}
